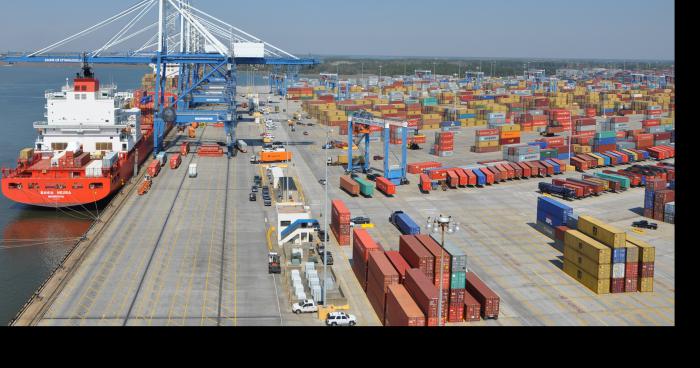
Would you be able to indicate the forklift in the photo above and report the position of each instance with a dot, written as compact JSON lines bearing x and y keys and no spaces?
{"x":273,"y":263}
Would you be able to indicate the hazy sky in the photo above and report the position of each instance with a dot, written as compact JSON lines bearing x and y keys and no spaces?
{"x":614,"y":29}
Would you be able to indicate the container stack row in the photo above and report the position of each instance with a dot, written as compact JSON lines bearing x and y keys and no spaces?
{"x":601,"y":257}
{"x":487,"y":140}
{"x":403,"y":286}
{"x":340,"y":222}
{"x":659,"y":201}
{"x":444,"y":144}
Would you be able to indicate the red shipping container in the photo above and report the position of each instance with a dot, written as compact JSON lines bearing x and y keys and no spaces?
{"x":425,"y":183}
{"x":416,"y":255}
{"x":437,"y":251}
{"x":617,"y":286}
{"x":457,"y":295}
{"x":471,"y":176}
{"x":472,"y":308}
{"x":401,"y":309}
{"x":455,"y":313}
{"x":463,"y":178}
{"x":632,"y":269}
{"x":527,"y":171}
{"x":385,"y":186}
{"x":487,"y":298}
{"x":399,"y":263}
{"x":646,"y":269}
{"x":423,"y":292}
{"x":631,"y":284}
{"x":486,"y":132}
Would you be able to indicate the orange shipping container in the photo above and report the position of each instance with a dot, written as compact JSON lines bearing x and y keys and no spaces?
{"x":275,"y":156}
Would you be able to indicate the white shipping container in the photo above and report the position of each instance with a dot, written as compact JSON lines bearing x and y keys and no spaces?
{"x":109,"y":159}
{"x":55,"y":158}
{"x":618,"y":271}
{"x":94,"y":169}
{"x":192,"y":171}
{"x":670,"y":208}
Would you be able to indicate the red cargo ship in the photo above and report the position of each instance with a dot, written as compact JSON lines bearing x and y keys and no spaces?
{"x":86,"y":150}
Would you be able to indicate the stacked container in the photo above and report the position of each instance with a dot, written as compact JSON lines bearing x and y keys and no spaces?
{"x":424,"y":293}
{"x":605,"y":141}
{"x":444,"y":144}
{"x":380,"y":275}
{"x":587,"y":261}
{"x":488,"y":300}
{"x":340,"y":222}
{"x":401,"y":309}
{"x":551,"y":214}
{"x":521,"y":153}
{"x":613,"y":238}
{"x":362,"y":246}
{"x":509,"y":134}
{"x":416,"y":255}
{"x":652,"y":186}
{"x":487,"y":140}
{"x":646,"y":260}
{"x":458,"y":281}
{"x":437,"y":252}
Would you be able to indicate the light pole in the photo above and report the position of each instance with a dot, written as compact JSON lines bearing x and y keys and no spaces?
{"x":325,"y":225}
{"x":381,"y":92}
{"x":442,"y":223}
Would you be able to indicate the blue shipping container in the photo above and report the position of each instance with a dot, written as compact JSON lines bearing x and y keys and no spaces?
{"x":564,"y":156}
{"x":619,"y":255}
{"x":480,"y":177}
{"x":405,"y":224}
{"x":552,"y":212}
{"x":557,"y":168}
{"x":606,"y":159}
{"x":572,"y":221}
{"x":542,"y":145}
{"x":619,"y":158}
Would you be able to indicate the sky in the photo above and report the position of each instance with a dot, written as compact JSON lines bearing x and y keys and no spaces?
{"x":588,"y":29}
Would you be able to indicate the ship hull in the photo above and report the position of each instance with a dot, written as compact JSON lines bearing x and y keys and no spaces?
{"x":72,"y":192}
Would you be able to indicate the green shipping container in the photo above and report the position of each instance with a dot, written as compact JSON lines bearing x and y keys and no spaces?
{"x":606,"y":134}
{"x":623,"y":180}
{"x":366,"y":188}
{"x":458,"y":280}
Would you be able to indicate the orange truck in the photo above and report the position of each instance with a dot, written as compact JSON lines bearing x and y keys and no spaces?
{"x":145,"y":186}
{"x":275,"y":156}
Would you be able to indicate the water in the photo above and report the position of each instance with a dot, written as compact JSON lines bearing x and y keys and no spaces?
{"x":35,"y":240}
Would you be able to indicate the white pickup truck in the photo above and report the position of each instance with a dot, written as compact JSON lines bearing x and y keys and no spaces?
{"x":305,"y":306}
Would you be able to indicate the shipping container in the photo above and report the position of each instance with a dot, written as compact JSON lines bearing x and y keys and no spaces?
{"x":416,"y":255}
{"x":487,"y":298}
{"x":424,"y":293}
{"x":349,"y":185}
{"x":598,"y":286}
{"x":472,"y":308}
{"x":604,"y":233}
{"x":401,"y":309}
{"x":588,"y":246}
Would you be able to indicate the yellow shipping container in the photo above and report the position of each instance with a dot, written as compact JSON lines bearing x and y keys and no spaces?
{"x":647,"y":252}
{"x":510,"y":128}
{"x":645,"y":285}
{"x":509,"y":135}
{"x":604,"y":233}
{"x":588,"y":246}
{"x":600,"y":271}
{"x":598,"y":286}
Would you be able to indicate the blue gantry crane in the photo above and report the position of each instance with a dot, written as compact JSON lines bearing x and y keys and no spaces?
{"x":359,"y":124}
{"x":202,"y":50}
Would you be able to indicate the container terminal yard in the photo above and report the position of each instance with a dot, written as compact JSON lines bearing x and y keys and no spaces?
{"x":412,"y":200}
